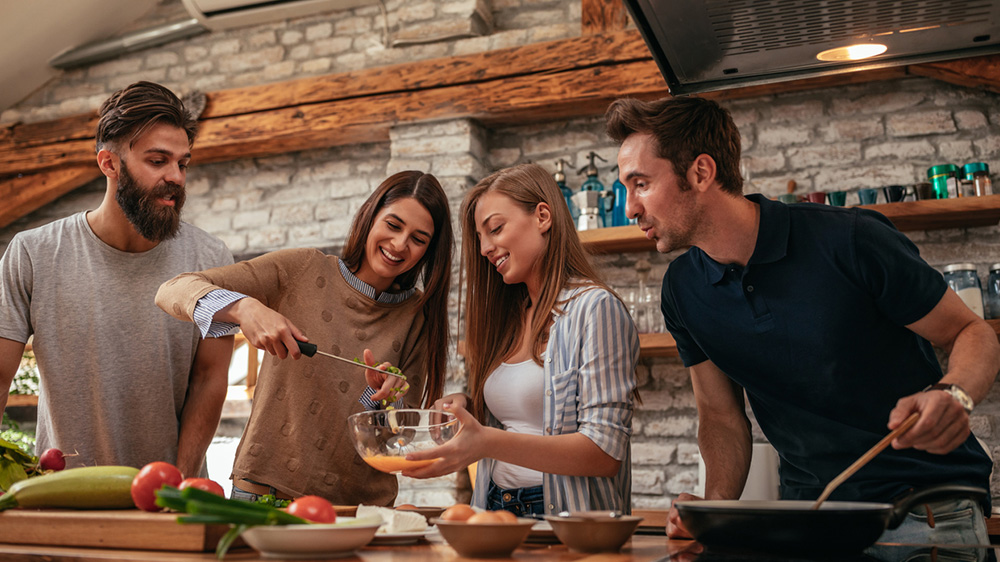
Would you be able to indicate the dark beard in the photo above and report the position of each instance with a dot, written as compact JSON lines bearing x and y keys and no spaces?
{"x":152,"y":221}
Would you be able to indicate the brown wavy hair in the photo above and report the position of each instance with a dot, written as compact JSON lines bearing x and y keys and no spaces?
{"x":131,"y":111}
{"x":495,"y":310}
{"x":683,"y":129}
{"x":433,"y":269}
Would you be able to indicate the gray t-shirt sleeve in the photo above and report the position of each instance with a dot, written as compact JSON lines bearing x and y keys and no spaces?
{"x":16,"y":276}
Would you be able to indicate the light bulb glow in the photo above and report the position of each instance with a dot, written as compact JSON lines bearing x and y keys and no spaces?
{"x":852,"y":52}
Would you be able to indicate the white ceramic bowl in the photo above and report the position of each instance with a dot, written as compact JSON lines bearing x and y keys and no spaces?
{"x":311,"y":541}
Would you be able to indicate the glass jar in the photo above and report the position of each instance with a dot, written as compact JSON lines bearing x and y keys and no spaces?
{"x":944,"y":178}
{"x":962,"y":278}
{"x":979,"y":174}
{"x":992,"y":298}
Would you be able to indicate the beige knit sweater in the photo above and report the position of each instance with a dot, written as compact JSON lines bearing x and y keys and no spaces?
{"x":297,"y":439}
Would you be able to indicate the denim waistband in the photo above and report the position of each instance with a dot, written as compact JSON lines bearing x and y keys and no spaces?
{"x":523,"y":502}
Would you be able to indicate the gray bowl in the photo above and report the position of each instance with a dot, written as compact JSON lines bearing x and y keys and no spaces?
{"x":593,"y":531}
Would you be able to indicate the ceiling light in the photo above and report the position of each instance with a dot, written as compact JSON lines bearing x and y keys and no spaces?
{"x":852,"y":52}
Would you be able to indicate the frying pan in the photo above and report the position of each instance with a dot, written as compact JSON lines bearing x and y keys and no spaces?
{"x":792,"y":526}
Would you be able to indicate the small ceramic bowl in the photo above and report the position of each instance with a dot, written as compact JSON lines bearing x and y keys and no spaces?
{"x":593,"y":531}
{"x":484,"y":540}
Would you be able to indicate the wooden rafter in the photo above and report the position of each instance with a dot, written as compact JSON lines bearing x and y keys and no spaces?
{"x":602,"y":16}
{"x":23,"y":195}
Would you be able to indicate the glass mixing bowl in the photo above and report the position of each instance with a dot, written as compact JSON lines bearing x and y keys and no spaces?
{"x":383,"y":438}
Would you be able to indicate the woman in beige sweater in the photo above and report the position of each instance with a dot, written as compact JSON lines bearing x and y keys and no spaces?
{"x":364,"y":303}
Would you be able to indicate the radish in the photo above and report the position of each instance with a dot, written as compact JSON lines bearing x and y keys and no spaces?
{"x":52,"y":459}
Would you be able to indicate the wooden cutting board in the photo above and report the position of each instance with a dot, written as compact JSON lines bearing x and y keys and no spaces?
{"x":120,"y":528}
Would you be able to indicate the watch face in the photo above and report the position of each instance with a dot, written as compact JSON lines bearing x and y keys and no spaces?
{"x":962,"y":397}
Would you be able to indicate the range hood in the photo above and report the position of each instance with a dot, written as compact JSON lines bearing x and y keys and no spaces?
{"x":707,"y":45}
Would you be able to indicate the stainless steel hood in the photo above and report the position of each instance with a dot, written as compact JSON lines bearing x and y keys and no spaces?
{"x":706,"y":45}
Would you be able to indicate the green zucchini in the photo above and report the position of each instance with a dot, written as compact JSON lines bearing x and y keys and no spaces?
{"x":89,"y":487}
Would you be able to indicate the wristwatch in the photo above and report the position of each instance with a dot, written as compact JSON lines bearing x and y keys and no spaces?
{"x":957,"y":393}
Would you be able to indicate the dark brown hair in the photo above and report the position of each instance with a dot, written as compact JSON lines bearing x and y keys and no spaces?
{"x":130,"y":112}
{"x":683,"y":129}
{"x":434,"y":268}
{"x":495,"y":313}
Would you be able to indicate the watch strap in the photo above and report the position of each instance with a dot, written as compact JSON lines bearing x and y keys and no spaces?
{"x":956,"y":392}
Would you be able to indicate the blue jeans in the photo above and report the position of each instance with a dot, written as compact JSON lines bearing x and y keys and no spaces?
{"x":522,"y":502}
{"x":956,"y":522}
{"x":241,"y":494}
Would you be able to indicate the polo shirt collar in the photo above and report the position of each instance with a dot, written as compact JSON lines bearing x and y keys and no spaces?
{"x":772,"y":238}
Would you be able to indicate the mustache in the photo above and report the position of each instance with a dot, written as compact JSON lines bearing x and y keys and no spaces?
{"x":167,"y":189}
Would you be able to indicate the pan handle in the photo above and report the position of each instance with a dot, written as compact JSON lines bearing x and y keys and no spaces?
{"x":933,"y":494}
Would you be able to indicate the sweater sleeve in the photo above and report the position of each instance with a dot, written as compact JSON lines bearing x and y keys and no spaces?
{"x":263,"y":278}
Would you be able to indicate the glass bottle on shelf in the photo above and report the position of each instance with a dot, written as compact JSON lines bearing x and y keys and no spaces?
{"x":560,"y":177}
{"x":646,"y":305}
{"x":979,"y":174}
{"x":962,"y":278}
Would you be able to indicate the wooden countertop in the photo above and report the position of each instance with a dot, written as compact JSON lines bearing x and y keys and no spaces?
{"x":641,"y":548}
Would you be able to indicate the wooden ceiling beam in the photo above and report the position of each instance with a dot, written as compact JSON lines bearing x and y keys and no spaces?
{"x":602,"y":16}
{"x":546,"y":81}
{"x":25,"y":194}
{"x":519,"y":99}
{"x":981,"y":72}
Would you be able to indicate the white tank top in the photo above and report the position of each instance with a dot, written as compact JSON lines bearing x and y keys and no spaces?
{"x":514,"y":394}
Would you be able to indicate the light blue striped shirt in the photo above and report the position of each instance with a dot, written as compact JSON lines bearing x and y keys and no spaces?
{"x":209,"y":305}
{"x":589,"y":368}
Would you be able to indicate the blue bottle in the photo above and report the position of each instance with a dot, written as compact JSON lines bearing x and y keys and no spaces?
{"x":594,"y":184}
{"x":618,"y":216}
{"x":560,"y":177}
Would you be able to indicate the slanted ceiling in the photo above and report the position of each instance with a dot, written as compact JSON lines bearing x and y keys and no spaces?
{"x":544,"y":81}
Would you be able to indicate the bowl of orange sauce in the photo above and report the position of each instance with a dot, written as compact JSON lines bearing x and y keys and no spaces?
{"x":383,"y":438}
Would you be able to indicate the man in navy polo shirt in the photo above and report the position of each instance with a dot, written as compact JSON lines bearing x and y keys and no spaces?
{"x":824,"y":316}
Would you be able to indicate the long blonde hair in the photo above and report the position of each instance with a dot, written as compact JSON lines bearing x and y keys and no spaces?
{"x":495,"y":310}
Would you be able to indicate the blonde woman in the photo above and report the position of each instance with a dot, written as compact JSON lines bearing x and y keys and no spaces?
{"x":551,"y":353}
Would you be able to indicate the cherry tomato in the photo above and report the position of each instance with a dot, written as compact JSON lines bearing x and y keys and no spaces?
{"x":202,"y":484}
{"x":313,"y":508}
{"x":151,"y":478}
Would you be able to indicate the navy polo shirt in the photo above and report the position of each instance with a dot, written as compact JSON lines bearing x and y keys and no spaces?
{"x":813,"y":329}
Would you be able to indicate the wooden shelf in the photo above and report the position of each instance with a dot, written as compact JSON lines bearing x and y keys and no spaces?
{"x":657,"y":345}
{"x":932,"y":214}
{"x":616,"y":239}
{"x":21,"y":400}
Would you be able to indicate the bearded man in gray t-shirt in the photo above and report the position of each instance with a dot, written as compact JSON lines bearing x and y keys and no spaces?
{"x":121,"y":382}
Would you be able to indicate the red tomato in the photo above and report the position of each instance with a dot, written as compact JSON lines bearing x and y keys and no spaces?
{"x":151,"y":478}
{"x":202,"y":484}
{"x":313,"y":508}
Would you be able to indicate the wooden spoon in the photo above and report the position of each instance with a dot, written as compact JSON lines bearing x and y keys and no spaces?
{"x":849,"y":471}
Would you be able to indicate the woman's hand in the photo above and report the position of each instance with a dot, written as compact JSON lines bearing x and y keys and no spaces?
{"x":389,"y":388}
{"x":471,"y":444}
{"x":457,"y":400}
{"x":264,"y":328}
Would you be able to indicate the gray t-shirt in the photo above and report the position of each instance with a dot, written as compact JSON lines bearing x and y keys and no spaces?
{"x":114,"y":368}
